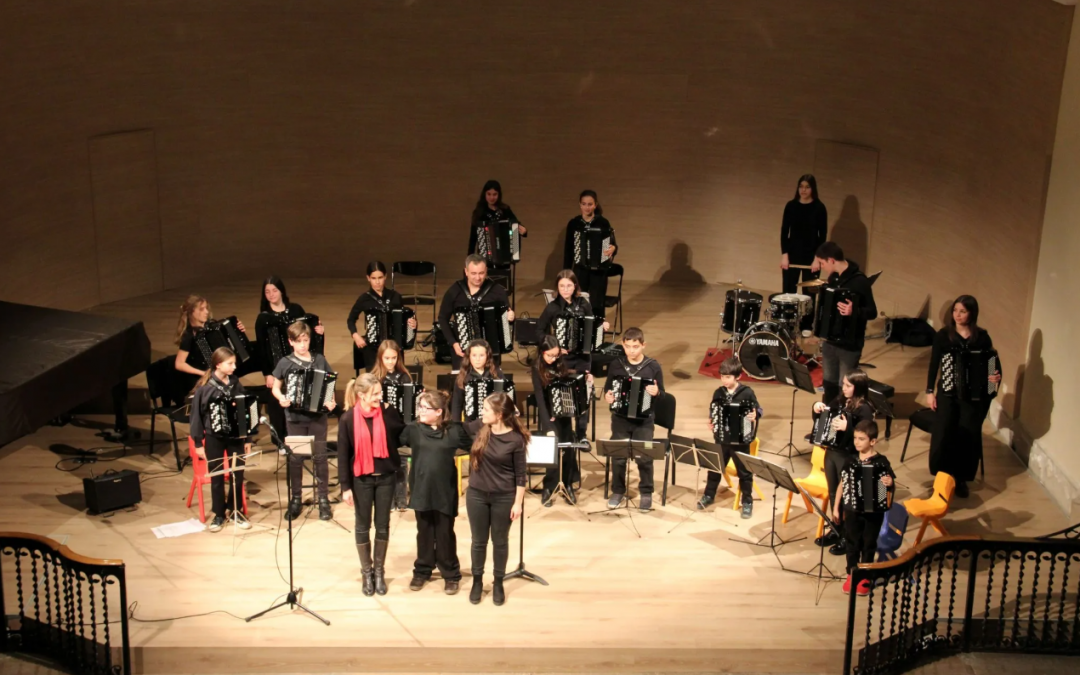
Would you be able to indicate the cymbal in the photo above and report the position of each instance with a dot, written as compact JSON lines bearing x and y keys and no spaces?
{"x":811,"y":282}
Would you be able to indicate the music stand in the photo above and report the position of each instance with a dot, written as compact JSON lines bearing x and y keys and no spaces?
{"x":698,"y":454}
{"x":797,"y":376}
{"x":820,"y":566}
{"x":780,"y":478}
{"x":542,"y":452}
{"x":235,"y":466}
{"x":629,"y":450}
{"x":561,"y":487}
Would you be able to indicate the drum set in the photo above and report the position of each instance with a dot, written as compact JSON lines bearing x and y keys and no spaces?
{"x":755,"y":340}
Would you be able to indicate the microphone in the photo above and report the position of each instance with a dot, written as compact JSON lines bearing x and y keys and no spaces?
{"x":273,"y":432}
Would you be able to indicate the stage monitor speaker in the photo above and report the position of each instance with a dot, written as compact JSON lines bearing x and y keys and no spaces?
{"x":527,"y":332}
{"x":112,"y":490}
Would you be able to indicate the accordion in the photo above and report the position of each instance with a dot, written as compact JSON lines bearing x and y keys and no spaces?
{"x":234,"y":416}
{"x":829,"y":323}
{"x":277,"y":344}
{"x":863,"y":490}
{"x":403,"y":397}
{"x":579,"y":334}
{"x":499,"y":242}
{"x":965,"y":373}
{"x":567,"y":396}
{"x":631,"y":399}
{"x":310,"y":389}
{"x":590,"y":246}
{"x":731,"y":422}
{"x":824,"y":434}
{"x":478,"y":390}
{"x":486,"y":322}
{"x":392,"y":324}
{"x":225,"y":333}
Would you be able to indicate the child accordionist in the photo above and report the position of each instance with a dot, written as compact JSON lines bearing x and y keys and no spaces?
{"x":864,"y":497}
{"x":480,"y":366}
{"x":738,"y":400}
{"x":221,"y":422}
{"x":562,"y":396}
{"x":394,"y":377}
{"x":303,"y":421}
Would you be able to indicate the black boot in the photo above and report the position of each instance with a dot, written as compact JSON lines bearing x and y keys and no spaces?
{"x":498,"y":594}
{"x":296,"y":506}
{"x":325,"y":512}
{"x":366,"y":568}
{"x":477,"y":591}
{"x":380,"y":565}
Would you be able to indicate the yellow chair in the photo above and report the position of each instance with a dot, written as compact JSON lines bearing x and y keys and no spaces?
{"x":730,"y":474}
{"x":460,"y":461}
{"x":815,"y":484}
{"x":931,"y":510}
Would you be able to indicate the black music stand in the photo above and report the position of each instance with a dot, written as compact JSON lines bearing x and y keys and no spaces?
{"x":560,"y":489}
{"x":542,"y":454}
{"x":780,"y":478}
{"x":629,"y":450}
{"x":820,"y":567}
{"x":696,"y":453}
{"x":797,"y":376}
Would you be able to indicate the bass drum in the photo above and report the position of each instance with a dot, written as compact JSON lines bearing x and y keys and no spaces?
{"x":765,"y":339}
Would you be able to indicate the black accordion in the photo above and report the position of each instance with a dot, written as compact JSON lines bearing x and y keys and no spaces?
{"x":485,"y":322}
{"x":567,"y":397}
{"x":965,"y":373}
{"x":579,"y":334}
{"x":403,"y":397}
{"x":478,"y":390}
{"x":310,"y":389}
{"x":731,"y":422}
{"x":234,"y":416}
{"x":216,"y":334}
{"x":824,"y":434}
{"x":277,"y":344}
{"x":863,"y":489}
{"x":829,"y":323}
{"x":499,"y":242}
{"x":631,"y":399}
{"x":590,"y":247}
{"x":392,"y":324}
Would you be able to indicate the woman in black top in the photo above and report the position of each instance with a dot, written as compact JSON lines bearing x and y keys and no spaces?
{"x":490,"y":208}
{"x":481,"y":366}
{"x":369,"y":433}
{"x":434,"y":441}
{"x":594,"y":281}
{"x":854,"y":401}
{"x":215,"y":384}
{"x":190,"y":364}
{"x":568,"y":301}
{"x":275,"y":304}
{"x":803,"y":229}
{"x":496,"y":488}
{"x":390,"y":368}
{"x":956,"y":438}
{"x":550,"y":366}
{"x":378,"y":298}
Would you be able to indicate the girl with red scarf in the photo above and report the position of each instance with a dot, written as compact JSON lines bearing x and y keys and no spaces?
{"x":368,"y":438}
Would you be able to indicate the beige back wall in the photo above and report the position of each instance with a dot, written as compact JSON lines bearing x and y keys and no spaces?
{"x":308,"y":138}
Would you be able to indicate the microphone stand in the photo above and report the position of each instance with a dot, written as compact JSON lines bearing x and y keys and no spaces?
{"x":293,"y":597}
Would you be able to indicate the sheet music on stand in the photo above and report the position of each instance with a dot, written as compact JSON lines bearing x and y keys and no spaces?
{"x":696,"y":453}
{"x":629,"y":450}
{"x":797,"y":376}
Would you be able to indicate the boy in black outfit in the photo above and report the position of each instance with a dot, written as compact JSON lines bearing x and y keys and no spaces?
{"x":633,"y":364}
{"x":730,"y":391}
{"x":839,"y":357}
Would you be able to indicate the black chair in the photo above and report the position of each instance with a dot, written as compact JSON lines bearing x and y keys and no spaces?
{"x":160,"y":386}
{"x":665,"y":417}
{"x":616,"y":270}
{"x":922,"y":419}
{"x":417,"y":269}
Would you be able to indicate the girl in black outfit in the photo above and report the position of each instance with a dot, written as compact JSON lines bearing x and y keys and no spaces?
{"x":190,"y":364}
{"x":804,"y":228}
{"x":218,"y":383}
{"x":481,"y":366}
{"x":568,"y":301}
{"x":490,"y":208}
{"x":368,"y":437}
{"x":434,"y":441}
{"x":496,"y":488}
{"x":378,"y":298}
{"x":594,"y":281}
{"x":274,"y":304}
{"x":549,"y":366}
{"x":956,"y":439}
{"x":854,"y":399}
{"x":389,"y":367}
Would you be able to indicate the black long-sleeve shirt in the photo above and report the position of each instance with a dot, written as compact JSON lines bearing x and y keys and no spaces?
{"x":200,"y":406}
{"x":433,"y":476}
{"x":262,"y":323}
{"x":853,"y":279}
{"x":457,"y":400}
{"x":346,"y":449}
{"x":845,"y":440}
{"x":648,"y":369}
{"x":370,"y":302}
{"x":502,"y":466}
{"x":582,"y":363}
{"x":943,"y":343}
{"x":458,"y":296}
{"x":490,"y":215}
{"x":577,"y":225}
{"x":803,"y":230}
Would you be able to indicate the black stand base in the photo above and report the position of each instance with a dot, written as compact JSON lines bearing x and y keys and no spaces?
{"x":293,"y":601}
{"x":522,"y":573}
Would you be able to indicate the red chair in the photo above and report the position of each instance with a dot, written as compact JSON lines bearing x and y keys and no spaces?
{"x":198,"y":464}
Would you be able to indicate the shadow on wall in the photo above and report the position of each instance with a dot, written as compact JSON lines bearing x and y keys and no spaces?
{"x":851,"y":233}
{"x":1034,"y":385}
{"x":677,"y":285}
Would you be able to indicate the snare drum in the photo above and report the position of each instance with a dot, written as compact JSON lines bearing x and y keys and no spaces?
{"x":744,"y":305}
{"x":765,"y":339}
{"x":788,"y":308}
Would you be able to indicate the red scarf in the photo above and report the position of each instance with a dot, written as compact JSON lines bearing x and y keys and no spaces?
{"x":366,"y":448}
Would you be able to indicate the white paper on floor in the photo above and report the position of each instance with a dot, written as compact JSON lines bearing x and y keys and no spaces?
{"x":178,"y":529}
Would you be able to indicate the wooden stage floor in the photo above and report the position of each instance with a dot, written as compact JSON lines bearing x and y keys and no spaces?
{"x":687,"y":595}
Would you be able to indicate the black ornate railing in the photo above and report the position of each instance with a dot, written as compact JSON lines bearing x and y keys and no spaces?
{"x":60,"y":605}
{"x":961,"y":594}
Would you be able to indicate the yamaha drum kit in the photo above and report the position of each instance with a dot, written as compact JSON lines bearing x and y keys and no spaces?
{"x":755,"y":340}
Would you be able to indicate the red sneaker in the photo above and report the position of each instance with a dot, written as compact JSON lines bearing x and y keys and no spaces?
{"x":847,"y":585}
{"x":863,"y":587}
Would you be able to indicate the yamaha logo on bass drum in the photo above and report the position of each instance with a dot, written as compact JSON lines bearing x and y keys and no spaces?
{"x":764,"y":341}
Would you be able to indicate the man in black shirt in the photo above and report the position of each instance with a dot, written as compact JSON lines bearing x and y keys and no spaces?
{"x":839,"y":357}
{"x":476,"y":289}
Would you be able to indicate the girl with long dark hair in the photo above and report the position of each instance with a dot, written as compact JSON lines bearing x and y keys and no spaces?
{"x":378,"y":298}
{"x":490,"y":207}
{"x":592,"y":279}
{"x":481,"y":365}
{"x":552,"y":365}
{"x":804,"y":228}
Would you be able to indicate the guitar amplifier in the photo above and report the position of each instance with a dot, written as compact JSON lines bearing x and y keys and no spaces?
{"x":112,"y":490}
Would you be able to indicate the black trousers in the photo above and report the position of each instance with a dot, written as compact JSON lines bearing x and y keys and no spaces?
{"x":792,"y":277}
{"x":215,"y":456}
{"x":401,"y":485}
{"x":623,"y":428}
{"x":595,"y":283}
{"x":746,"y":478}
{"x":436,"y":546}
{"x":836,"y":362}
{"x":489,"y":517}
{"x":834,"y":464}
{"x":313,"y":426}
{"x":276,"y":414}
{"x":860,"y":536}
{"x":571,"y":473}
{"x":373,"y":493}
{"x":956,"y":442}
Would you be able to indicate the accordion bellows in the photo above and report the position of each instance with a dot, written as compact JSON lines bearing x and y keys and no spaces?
{"x":310,"y":389}
{"x":731,"y":422}
{"x":234,"y":416}
{"x":486,"y":322}
{"x":965,"y":373}
{"x":392,"y":324}
{"x":478,"y":390}
{"x":631,"y":399}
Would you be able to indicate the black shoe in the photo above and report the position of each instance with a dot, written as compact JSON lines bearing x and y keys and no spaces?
{"x":216,"y":524}
{"x":838,"y":549}
{"x":545,"y":498}
{"x":296,"y":506}
{"x":364,"y":550}
{"x":827,"y":539}
{"x":808,"y":437}
{"x":417,"y":583}
{"x":571,"y":496}
{"x":962,"y":489}
{"x":498,"y":594}
{"x":704,"y":502}
{"x":379,"y":566}
{"x":451,"y":586}
{"x":477,"y":592}
{"x":325,"y":512}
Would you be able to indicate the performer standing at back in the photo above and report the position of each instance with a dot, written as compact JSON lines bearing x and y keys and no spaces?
{"x":474,"y":289}
{"x":804,"y":228}
{"x":491,"y":208}
{"x":378,"y":298}
{"x":839,"y":357}
{"x":593,"y":280}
